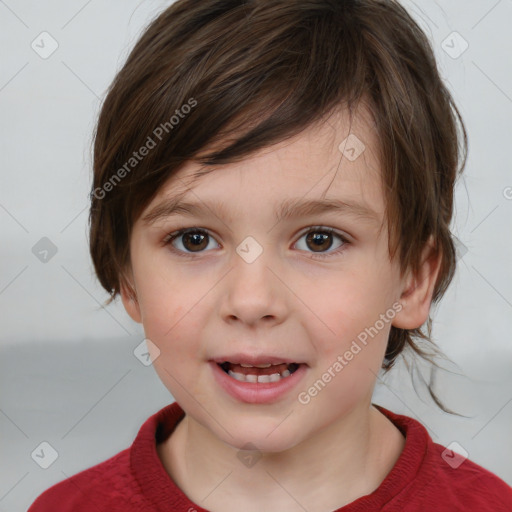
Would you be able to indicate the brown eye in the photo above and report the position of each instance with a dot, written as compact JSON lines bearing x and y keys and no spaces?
{"x":319,"y":240}
{"x":192,"y":240}
{"x":195,"y":240}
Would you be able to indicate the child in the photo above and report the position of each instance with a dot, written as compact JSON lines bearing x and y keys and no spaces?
{"x":239,"y":137}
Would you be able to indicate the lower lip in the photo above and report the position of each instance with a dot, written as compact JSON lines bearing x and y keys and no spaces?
{"x":257,"y":392}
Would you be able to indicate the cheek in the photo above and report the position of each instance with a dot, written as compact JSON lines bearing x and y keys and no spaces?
{"x":351,"y":351}
{"x":172,"y":304}
{"x":350,"y":307}
{"x":171,"y":316}
{"x":164,"y":296}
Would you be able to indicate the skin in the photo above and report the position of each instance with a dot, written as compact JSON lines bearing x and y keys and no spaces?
{"x":315,"y":456}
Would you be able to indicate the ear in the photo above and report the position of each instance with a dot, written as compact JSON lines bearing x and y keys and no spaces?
{"x":129,"y":298}
{"x":416,"y":296}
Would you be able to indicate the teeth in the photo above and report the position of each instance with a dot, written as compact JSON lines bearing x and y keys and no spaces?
{"x":268,"y":365}
{"x":275,"y":377}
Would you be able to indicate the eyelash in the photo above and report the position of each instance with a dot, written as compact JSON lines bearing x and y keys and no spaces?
{"x":176,"y":234}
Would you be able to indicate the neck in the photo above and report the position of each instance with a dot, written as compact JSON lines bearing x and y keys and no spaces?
{"x":343,"y":462}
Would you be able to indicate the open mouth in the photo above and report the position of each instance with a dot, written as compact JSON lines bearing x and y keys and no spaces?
{"x":262,"y":373}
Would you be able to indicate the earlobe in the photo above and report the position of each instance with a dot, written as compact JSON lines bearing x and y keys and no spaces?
{"x":417,"y":293}
{"x":130,"y":303}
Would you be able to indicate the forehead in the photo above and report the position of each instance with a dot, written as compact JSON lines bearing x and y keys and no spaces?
{"x":336,"y":158}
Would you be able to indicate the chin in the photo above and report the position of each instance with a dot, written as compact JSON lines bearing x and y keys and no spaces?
{"x":265,"y":437}
{"x":262,"y":445}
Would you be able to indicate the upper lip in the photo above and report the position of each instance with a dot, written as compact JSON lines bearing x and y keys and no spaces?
{"x":254,"y":359}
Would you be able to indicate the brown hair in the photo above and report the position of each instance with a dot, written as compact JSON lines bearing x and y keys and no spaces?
{"x":256,"y":72}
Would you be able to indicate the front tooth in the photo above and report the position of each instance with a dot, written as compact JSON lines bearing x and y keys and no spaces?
{"x":237,"y":376}
{"x":268,"y":365}
{"x":253,"y":378}
{"x":246,"y":365}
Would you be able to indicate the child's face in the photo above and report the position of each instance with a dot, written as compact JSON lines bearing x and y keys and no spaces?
{"x":215,"y":300}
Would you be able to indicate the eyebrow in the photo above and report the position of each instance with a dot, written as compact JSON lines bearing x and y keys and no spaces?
{"x":289,"y":208}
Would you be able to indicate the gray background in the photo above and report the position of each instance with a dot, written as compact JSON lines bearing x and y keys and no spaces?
{"x":68,"y":371}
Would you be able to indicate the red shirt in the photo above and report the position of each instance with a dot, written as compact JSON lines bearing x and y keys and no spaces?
{"x":135,"y":479}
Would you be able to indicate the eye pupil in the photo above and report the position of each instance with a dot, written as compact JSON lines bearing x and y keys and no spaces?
{"x":196,"y":238}
{"x":319,"y":239}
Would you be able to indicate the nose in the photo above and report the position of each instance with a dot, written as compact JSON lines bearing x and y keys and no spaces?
{"x":254,"y":293}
